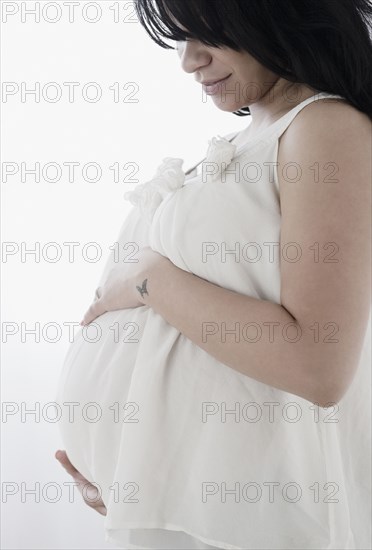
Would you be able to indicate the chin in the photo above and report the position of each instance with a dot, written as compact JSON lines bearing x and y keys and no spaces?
{"x":229,"y":107}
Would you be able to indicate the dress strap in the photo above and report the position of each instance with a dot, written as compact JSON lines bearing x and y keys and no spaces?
{"x":279,"y":127}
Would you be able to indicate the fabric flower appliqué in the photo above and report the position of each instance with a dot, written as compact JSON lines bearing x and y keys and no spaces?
{"x":148,"y":196}
{"x":219,"y":155}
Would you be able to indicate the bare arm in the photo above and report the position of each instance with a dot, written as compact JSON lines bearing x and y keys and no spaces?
{"x":326,"y":304}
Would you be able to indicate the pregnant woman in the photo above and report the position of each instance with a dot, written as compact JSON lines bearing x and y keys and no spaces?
{"x":224,"y":365}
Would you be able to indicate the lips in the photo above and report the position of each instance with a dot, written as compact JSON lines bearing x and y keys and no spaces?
{"x":212,"y":87}
{"x":212,"y":82}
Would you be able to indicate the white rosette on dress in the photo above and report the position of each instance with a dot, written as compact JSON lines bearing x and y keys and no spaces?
{"x":219,"y":155}
{"x":148,"y":196}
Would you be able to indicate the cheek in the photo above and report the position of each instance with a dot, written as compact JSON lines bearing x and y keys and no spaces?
{"x":180,"y":46}
{"x":252,"y":75}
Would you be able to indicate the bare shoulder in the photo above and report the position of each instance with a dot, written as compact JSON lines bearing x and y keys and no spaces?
{"x":329,"y":123}
{"x":328,"y":137}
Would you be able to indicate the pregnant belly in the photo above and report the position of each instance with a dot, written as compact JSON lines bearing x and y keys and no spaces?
{"x":93,"y":391}
{"x":142,"y":379}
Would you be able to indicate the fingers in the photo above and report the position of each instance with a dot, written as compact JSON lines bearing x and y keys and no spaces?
{"x":98,"y":293}
{"x":91,"y":494}
{"x":96,"y":309}
{"x":62,"y":457}
{"x":93,"y":312}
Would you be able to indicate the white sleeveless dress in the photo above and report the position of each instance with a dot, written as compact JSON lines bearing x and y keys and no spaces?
{"x":189,"y":453}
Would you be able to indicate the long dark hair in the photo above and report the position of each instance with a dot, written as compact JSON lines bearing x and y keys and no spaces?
{"x":324,"y":44}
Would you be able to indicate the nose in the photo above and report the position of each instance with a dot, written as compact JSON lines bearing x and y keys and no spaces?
{"x":193,"y":55}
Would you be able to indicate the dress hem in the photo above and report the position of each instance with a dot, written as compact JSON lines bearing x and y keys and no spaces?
{"x":306,"y":544}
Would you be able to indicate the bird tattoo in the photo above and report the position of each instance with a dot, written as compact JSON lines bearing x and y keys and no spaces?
{"x":142,"y":289}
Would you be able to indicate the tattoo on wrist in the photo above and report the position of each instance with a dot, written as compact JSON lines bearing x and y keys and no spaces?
{"x":142,"y":289}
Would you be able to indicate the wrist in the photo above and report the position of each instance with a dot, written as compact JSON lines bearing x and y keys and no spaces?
{"x":151,"y":277}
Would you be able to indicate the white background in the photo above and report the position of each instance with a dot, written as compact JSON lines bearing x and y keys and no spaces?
{"x":170,"y":118}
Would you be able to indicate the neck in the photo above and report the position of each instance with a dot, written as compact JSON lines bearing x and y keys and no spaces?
{"x":277,"y":101}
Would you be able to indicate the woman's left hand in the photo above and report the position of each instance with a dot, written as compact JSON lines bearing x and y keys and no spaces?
{"x":125,"y":286}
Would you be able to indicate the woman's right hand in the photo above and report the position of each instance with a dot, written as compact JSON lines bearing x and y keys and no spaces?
{"x":90,"y":490}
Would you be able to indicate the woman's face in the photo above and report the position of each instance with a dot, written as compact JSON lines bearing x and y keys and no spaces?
{"x":243,"y":80}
